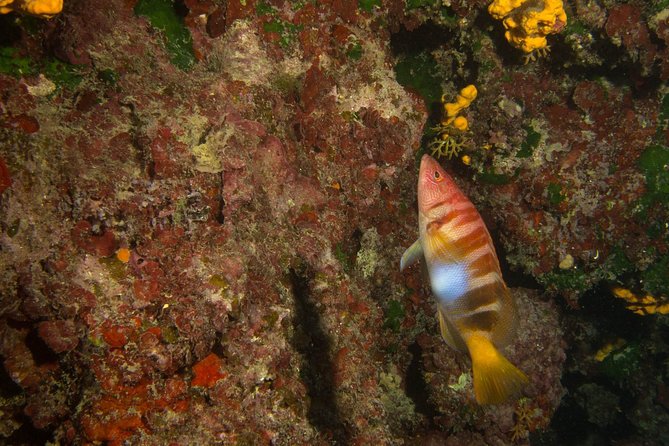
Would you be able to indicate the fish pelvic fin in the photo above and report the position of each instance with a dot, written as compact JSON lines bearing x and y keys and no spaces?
{"x":495,"y":378}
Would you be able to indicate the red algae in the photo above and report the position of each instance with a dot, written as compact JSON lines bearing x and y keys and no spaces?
{"x":208,"y":371}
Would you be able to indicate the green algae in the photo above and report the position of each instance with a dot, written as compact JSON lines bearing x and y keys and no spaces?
{"x":343,"y":257}
{"x":419,"y":71}
{"x":416,"y":4}
{"x":654,"y":164}
{"x":13,"y":229}
{"x":108,"y":76}
{"x":178,"y":40}
{"x":571,"y":279}
{"x":656,"y":277}
{"x":497,"y":179}
{"x":531,"y":142}
{"x":555,"y":194}
{"x":116,"y":269}
{"x":13,"y":64}
{"x":368,"y":5}
{"x":354,"y":51}
{"x":393,"y":315}
{"x":286,"y":31}
{"x":63,"y":74}
{"x":623,"y":364}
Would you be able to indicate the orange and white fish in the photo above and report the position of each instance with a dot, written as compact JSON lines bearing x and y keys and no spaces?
{"x":476,"y":311}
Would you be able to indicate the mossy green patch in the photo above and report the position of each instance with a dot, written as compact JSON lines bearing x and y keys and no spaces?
{"x":393,"y":315}
{"x":575,"y":27}
{"x":663,"y":117}
{"x":342,"y":256}
{"x":531,"y":142}
{"x":623,"y":364}
{"x":571,"y":279}
{"x":63,"y":74}
{"x":13,"y":64}
{"x":117,"y":270}
{"x":555,"y":194}
{"x":654,"y":163}
{"x":658,"y":6}
{"x":656,"y":277}
{"x":618,"y":263}
{"x":419,"y":71}
{"x":368,"y":5}
{"x":415,"y":4}
{"x":14,"y":227}
{"x":108,"y":76}
{"x":287,"y":31}
{"x":178,"y":40}
{"x":354,"y":51}
{"x":490,"y":177}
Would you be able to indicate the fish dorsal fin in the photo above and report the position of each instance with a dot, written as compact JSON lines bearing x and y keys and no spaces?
{"x":411,"y":255}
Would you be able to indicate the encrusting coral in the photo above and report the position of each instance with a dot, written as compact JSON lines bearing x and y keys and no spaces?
{"x":528,"y":22}
{"x":39,"y":8}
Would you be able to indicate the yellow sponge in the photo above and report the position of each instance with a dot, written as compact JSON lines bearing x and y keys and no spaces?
{"x":39,"y":8}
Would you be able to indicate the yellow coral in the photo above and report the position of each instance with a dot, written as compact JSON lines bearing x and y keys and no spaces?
{"x":528,"y":22}
{"x":40,"y":8}
{"x":448,"y":141}
{"x":642,"y":305}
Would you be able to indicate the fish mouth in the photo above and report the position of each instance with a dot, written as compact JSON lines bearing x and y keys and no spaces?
{"x":425,"y":162}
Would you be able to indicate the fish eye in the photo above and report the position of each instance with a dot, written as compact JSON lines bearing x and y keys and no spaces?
{"x":437,"y":176}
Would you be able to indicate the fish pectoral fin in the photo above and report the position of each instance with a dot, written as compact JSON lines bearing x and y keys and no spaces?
{"x":495,"y":378}
{"x":411,"y":255}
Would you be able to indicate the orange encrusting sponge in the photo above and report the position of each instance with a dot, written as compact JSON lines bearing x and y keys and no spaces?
{"x":528,"y":22}
{"x":39,"y":8}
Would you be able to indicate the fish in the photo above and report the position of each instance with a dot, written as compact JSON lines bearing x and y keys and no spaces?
{"x":477,"y":314}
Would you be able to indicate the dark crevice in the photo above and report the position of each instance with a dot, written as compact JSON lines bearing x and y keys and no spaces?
{"x":41,"y":352}
{"x":220,"y":208}
{"x":28,"y":435}
{"x":317,"y":369}
{"x":8,"y":388}
{"x":416,"y":388}
{"x":514,"y":278}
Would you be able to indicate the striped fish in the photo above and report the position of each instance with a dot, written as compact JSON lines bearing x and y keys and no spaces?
{"x":475,"y":309}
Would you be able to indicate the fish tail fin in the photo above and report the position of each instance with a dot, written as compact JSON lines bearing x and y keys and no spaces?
{"x":495,"y":378}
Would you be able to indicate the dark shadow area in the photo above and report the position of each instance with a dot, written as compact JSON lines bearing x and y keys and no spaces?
{"x":512,"y":278}
{"x":317,"y":370}
{"x":26,"y":434}
{"x":602,"y":394}
{"x":416,"y":388}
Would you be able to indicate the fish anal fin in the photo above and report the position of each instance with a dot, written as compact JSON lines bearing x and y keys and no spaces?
{"x":495,"y":378}
{"x":448,"y":332}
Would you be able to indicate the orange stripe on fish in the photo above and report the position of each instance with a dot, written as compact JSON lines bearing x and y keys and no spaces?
{"x":476,"y":311}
